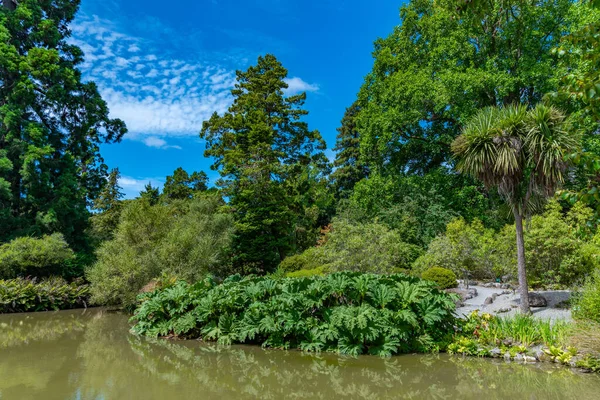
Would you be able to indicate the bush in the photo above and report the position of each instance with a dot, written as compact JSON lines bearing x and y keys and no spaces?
{"x":444,"y":278}
{"x":24,"y":295}
{"x":305,"y":273}
{"x":368,"y":247}
{"x":586,"y":303}
{"x":186,"y":238}
{"x":344,"y":312}
{"x":34,"y":256}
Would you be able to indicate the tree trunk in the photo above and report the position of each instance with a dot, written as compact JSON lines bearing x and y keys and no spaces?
{"x":523,"y":288}
{"x":10,"y":4}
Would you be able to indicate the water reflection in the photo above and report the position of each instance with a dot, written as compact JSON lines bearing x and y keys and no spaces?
{"x":91,"y":355}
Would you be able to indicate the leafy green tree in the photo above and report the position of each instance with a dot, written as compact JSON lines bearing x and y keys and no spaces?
{"x":182,"y":185}
{"x":438,"y":67}
{"x":349,"y":168}
{"x":52,"y":124}
{"x":522,"y":154}
{"x":150,"y":194}
{"x":187,"y":239}
{"x":262,"y":148}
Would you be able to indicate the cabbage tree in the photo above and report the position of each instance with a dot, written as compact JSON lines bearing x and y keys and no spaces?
{"x":522,"y":153}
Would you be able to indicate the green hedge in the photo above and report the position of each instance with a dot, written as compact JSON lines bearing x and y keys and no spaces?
{"x":444,"y":277}
{"x":345,"y":312}
{"x":22,"y":295}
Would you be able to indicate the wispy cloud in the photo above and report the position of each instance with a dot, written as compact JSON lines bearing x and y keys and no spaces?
{"x":297,"y":85}
{"x":157,"y":95}
{"x":133,"y":186}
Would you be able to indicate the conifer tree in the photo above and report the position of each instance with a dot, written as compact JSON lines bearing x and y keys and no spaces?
{"x":261,"y":147}
{"x":51,"y":124}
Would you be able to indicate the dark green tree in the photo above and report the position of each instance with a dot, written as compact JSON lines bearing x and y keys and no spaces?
{"x":150,"y":194}
{"x":262,"y":148}
{"x":182,"y":185}
{"x":108,"y":206}
{"x":349,"y":168}
{"x":51,"y":124}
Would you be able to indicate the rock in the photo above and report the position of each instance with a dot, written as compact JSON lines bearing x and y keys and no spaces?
{"x":529,"y":359}
{"x":513,"y":306}
{"x":519,"y":357}
{"x":505,"y":286}
{"x":503,"y":310}
{"x":537,"y":300}
{"x":506,"y":292}
{"x":507,"y":342}
{"x":507,"y":278}
{"x":507,"y":356}
{"x":494,"y":296}
{"x":495,"y":352}
{"x":488,"y":301}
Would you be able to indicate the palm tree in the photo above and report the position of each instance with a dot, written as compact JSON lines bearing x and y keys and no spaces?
{"x":522,"y":154}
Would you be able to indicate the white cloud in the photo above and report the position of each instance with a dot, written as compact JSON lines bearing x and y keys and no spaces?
{"x":133,"y":186}
{"x":133,"y":86}
{"x":153,"y":141}
{"x":297,"y":85}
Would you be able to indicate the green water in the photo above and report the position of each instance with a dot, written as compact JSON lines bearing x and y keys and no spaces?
{"x":91,"y":355}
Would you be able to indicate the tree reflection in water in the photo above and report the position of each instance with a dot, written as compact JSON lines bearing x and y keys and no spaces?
{"x":91,"y":355}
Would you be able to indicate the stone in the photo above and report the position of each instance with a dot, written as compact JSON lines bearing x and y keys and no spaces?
{"x":537,"y":300}
{"x":519,"y":357}
{"x":507,"y":356}
{"x":496,"y":352}
{"x":488,"y":301}
{"x":494,"y":296}
{"x":529,"y":359}
{"x":503,"y":310}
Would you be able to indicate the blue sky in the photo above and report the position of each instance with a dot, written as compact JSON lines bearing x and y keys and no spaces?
{"x":164,"y":67}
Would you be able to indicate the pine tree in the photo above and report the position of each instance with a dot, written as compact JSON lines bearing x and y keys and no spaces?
{"x":51,"y":125}
{"x":261,"y":147}
{"x":348,"y":167}
{"x":182,"y":185}
{"x":108,"y":206}
{"x":150,"y":194}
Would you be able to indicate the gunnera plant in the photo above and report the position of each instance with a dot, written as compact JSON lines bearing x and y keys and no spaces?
{"x":345,"y":312}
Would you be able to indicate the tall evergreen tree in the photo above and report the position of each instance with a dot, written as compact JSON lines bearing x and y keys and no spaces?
{"x":182,"y":185}
{"x":150,"y":194}
{"x":51,"y":124}
{"x":262,"y":148}
{"x":108,"y":205}
{"x":349,"y":168}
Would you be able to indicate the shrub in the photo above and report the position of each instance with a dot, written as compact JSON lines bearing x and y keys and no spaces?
{"x":304,"y":273}
{"x":444,"y":277}
{"x":34,"y":256}
{"x":24,"y":295}
{"x":186,"y":238}
{"x":586,"y":303}
{"x":367,"y":247}
{"x":345,"y":312}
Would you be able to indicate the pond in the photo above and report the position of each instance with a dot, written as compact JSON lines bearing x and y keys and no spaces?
{"x":91,"y":355}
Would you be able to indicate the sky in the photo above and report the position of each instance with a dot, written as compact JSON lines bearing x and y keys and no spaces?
{"x":165,"y":66}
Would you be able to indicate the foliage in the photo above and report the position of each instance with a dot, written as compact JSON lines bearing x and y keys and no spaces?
{"x":518,"y":330}
{"x":437,"y":68}
{"x":350,"y":313}
{"x":187,"y":238}
{"x":264,"y":152}
{"x":182,"y":185}
{"x":349,"y":168}
{"x":34,"y":256}
{"x":305,"y":273}
{"x":444,"y":278}
{"x":367,"y":247}
{"x":463,"y":247}
{"x":53,"y":124}
{"x":24,"y":295}
{"x":108,"y":206}
{"x":586,"y":304}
